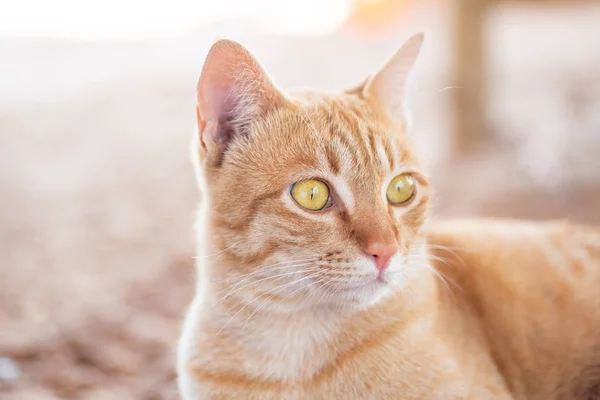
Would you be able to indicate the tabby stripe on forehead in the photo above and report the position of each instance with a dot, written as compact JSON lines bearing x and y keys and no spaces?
{"x":342,"y":159}
{"x":360,"y":133}
{"x":371,"y":140}
{"x":387,"y":148}
{"x":332,"y":159}
{"x":345,"y":130}
{"x":373,"y":144}
{"x":383,"y":155}
{"x":349,"y":152}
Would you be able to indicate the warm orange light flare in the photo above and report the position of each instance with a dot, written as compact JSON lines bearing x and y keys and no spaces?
{"x":374,"y":17}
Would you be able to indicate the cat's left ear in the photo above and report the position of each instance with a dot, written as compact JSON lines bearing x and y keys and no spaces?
{"x":388,"y":86}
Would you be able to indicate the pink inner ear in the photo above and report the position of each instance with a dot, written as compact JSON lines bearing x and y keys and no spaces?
{"x":216,"y":86}
{"x":232,"y":90}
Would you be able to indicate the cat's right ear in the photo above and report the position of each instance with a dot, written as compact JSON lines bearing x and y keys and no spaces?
{"x":233,"y":90}
{"x":387,"y":86}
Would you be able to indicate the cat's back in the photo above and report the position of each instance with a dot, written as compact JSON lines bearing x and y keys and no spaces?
{"x":533,"y":290}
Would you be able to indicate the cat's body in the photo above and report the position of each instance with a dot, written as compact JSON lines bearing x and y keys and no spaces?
{"x":343,"y":299}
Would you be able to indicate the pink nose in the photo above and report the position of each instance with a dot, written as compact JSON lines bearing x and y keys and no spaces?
{"x":381,"y":253}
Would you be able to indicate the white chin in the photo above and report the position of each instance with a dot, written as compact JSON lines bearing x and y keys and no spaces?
{"x":365,"y":295}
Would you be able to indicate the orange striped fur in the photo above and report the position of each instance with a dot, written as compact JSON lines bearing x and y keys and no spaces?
{"x":289,"y":304}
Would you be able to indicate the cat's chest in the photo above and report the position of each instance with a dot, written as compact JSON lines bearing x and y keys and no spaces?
{"x":294,"y":353}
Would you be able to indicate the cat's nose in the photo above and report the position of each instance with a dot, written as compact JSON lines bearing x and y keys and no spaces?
{"x":381,"y":251}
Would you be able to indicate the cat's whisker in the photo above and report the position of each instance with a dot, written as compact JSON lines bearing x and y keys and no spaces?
{"x":338,"y":279}
{"x":427,"y":257}
{"x":273,"y":292}
{"x":448,"y":88}
{"x":308,"y":270}
{"x":439,"y":246}
{"x":426,"y":97}
{"x":236,"y":288}
{"x":219,"y":253}
{"x":311,"y":295}
{"x":252,"y":300}
{"x":323,"y":295}
{"x":277,"y":305}
{"x":264,"y":271}
{"x":437,"y":273}
{"x":270,"y":268}
{"x":449,"y":250}
{"x":276,"y":277}
{"x":410,"y":298}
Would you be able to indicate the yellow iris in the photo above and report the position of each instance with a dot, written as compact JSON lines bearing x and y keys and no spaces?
{"x":401,"y":189}
{"x":311,"y":194}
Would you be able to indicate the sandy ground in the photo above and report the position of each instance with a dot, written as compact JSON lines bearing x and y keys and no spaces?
{"x":97,"y":195}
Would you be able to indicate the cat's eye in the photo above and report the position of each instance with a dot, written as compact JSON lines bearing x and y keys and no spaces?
{"x":401,"y":189}
{"x":311,"y":194}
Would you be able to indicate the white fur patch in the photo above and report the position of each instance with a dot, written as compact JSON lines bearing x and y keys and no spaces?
{"x":382,"y":155}
{"x":344,"y":191}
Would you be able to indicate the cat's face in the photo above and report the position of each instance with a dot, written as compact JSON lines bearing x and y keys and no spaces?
{"x":314,"y":199}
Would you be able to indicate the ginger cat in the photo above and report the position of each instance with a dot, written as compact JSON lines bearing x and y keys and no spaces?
{"x":319,"y":274}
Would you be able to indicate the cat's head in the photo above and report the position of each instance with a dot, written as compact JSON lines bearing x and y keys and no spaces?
{"x":308,"y":199}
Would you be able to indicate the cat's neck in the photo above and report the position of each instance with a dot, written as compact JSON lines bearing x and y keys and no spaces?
{"x":299,"y":344}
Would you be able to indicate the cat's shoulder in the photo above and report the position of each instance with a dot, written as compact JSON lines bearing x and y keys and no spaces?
{"x":498,"y":242}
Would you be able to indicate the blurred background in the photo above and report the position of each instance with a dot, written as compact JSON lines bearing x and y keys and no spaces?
{"x":96,"y":191}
